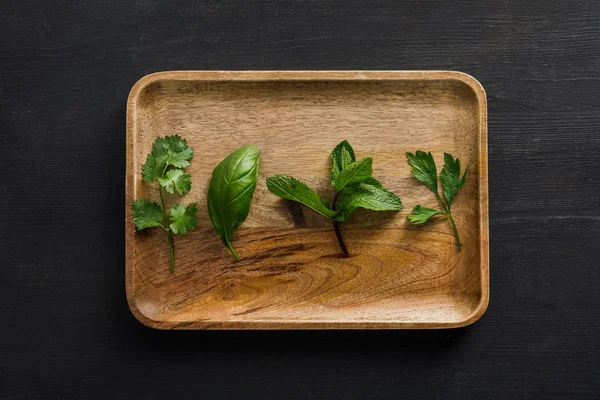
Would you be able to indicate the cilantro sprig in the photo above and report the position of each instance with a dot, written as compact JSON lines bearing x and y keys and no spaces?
{"x":354,"y":184}
{"x":165,"y":164}
{"x":423,"y":168}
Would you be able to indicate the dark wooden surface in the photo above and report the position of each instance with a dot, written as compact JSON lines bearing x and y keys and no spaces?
{"x":65,"y":71}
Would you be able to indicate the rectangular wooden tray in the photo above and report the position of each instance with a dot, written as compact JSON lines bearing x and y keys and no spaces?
{"x":291,"y":275}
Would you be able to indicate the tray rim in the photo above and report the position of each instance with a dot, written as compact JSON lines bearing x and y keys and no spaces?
{"x":309,"y":75}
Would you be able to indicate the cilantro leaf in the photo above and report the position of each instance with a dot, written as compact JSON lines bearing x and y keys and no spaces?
{"x":355,"y":172}
{"x":366,"y":196}
{"x":176,"y":179}
{"x":420,"y":215}
{"x":423,"y":168}
{"x":342,"y":156}
{"x":450,"y":177}
{"x":146,"y":214}
{"x":170,"y":151}
{"x":183,"y":218}
{"x":291,"y":188}
{"x":154,"y":167}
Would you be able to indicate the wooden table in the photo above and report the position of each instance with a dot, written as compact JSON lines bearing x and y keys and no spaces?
{"x":65,"y":72}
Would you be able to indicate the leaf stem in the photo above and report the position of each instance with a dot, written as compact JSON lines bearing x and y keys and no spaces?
{"x":458,"y":244}
{"x":338,"y":232}
{"x":167,"y":229}
{"x":232,"y":250}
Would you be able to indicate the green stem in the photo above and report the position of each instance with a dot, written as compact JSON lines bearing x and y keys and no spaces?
{"x":167,"y":230}
{"x":232,"y":250}
{"x":458,"y":244}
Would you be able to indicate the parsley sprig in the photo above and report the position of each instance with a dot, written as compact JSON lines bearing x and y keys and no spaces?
{"x":165,"y":164}
{"x":423,"y":168}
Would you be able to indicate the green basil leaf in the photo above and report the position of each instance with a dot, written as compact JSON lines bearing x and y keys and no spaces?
{"x":290,"y":188}
{"x":230,"y":192}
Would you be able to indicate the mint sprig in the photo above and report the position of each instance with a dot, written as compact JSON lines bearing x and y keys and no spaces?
{"x":354,"y":184}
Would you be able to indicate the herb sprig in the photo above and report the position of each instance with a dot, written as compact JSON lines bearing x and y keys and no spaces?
{"x":423,"y":168}
{"x":165,"y":164}
{"x":354,"y":184}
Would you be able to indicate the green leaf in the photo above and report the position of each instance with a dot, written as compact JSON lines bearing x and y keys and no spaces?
{"x":342,"y":156}
{"x":450,"y":177}
{"x":423,"y":168}
{"x":183,"y":219}
{"x":420,"y":215}
{"x":176,"y":179}
{"x":146,"y":214}
{"x":291,"y":188}
{"x":367,"y":196}
{"x":355,"y":172}
{"x":230,"y":192}
{"x":170,"y":151}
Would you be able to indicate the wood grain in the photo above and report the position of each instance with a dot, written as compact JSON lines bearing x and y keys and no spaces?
{"x":291,"y":275}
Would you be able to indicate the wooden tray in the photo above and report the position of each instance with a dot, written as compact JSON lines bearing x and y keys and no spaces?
{"x":291,"y":275}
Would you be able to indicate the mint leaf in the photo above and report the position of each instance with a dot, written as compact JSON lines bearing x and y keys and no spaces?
{"x":176,"y":179}
{"x":369,"y":197}
{"x":146,"y":214}
{"x":450,"y":177}
{"x":183,"y":219}
{"x":423,"y":168}
{"x":342,"y":156}
{"x":291,"y":188}
{"x":420,"y":215}
{"x":355,"y":172}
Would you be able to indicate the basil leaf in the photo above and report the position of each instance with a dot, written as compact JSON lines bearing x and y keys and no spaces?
{"x":230,"y":192}
{"x":355,"y":172}
{"x":420,"y":215}
{"x":291,"y":188}
{"x":450,"y":177}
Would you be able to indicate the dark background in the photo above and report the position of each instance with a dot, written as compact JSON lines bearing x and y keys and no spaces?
{"x":66,"y":68}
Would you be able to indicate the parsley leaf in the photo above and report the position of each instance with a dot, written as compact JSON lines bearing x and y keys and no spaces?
{"x":146,"y":214}
{"x":420,"y":215}
{"x":450,"y":177}
{"x":183,"y":218}
{"x":423,"y":168}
